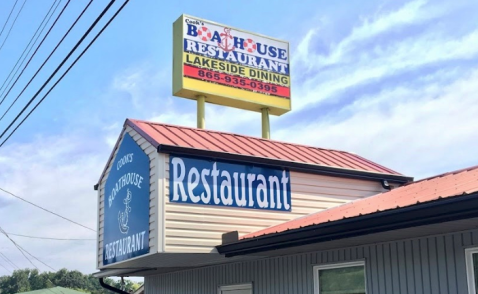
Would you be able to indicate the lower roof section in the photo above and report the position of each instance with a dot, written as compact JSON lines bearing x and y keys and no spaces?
{"x":433,"y":212}
{"x":157,"y":267}
{"x":448,"y":185}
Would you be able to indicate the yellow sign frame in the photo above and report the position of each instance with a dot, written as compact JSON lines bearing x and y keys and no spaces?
{"x":217,"y":93}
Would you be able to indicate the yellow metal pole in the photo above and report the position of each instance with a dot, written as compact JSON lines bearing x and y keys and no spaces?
{"x":266,"y":130}
{"x":201,"y":111}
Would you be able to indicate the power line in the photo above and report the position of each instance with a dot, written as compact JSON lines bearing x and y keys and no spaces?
{"x":23,"y":249}
{"x":9,"y":261}
{"x":26,"y":48}
{"x":18,"y":247}
{"x":9,"y":15}
{"x":5,"y":268}
{"x":13,"y":24}
{"x":28,"y":45}
{"x":46,"y":60}
{"x":48,"y":238}
{"x":56,"y":83}
{"x":59,"y":66}
{"x":38,"y":206}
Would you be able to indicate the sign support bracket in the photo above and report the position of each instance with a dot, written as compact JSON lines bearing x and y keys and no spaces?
{"x":201,"y":111}
{"x":266,"y":129}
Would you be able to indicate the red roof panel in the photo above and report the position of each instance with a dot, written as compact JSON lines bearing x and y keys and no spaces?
{"x":451,"y":184}
{"x":164,"y":134}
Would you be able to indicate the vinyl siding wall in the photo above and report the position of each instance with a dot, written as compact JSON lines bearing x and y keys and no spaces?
{"x":198,"y":228}
{"x":154,"y":188}
{"x":430,"y":265}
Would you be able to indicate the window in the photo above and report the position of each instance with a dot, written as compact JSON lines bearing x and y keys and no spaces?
{"x":472,"y":269}
{"x":235,"y":289}
{"x":341,"y":278}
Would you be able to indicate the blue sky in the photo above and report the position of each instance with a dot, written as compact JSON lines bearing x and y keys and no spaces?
{"x":393,"y":81}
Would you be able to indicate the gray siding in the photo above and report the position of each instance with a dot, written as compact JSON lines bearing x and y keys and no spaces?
{"x":434,"y":264}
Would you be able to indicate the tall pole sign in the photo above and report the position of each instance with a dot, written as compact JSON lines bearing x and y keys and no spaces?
{"x":222,"y":65}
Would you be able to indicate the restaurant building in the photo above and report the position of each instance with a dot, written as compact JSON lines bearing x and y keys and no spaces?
{"x":200,"y":211}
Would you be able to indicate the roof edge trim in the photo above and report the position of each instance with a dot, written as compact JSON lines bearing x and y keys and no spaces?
{"x":458,"y":207}
{"x":295,"y":166}
{"x":110,"y":158}
{"x":140,"y":131}
{"x":120,"y":272}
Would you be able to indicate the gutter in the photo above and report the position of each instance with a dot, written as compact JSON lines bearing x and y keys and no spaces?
{"x":295,"y":166}
{"x":111,"y":288}
{"x":431,"y":212}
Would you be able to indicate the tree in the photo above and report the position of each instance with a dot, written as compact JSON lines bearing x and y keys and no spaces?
{"x":29,"y":280}
{"x":18,"y":282}
{"x":36,"y":280}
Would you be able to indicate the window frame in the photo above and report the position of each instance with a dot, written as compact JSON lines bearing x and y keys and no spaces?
{"x":470,"y":275}
{"x":320,"y":267}
{"x":247,"y":286}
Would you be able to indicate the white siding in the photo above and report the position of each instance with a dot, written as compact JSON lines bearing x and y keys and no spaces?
{"x":156,"y":169}
{"x":198,"y":228}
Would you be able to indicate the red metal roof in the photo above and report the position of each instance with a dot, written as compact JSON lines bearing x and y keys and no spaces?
{"x":164,"y":134}
{"x":450,"y":184}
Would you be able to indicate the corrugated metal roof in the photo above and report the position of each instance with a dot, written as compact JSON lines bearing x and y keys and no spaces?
{"x":163,"y":134}
{"x":446,"y":185}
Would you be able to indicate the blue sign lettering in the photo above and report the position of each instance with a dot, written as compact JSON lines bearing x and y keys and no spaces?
{"x":126,"y":206}
{"x":205,"y":182}
{"x":267,"y":50}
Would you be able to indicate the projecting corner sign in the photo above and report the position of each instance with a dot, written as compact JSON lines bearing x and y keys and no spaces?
{"x":230,"y":67}
{"x":126,"y":205}
{"x":219,"y":183}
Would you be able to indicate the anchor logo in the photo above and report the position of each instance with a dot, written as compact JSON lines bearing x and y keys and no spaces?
{"x":225,"y":37}
{"x":123,"y":216}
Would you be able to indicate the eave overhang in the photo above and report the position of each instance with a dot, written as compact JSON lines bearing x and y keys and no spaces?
{"x":432,"y":212}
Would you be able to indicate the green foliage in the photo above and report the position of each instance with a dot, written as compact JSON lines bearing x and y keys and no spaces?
{"x":28,"y":280}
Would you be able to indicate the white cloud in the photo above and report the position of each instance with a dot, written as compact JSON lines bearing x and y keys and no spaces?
{"x":380,"y":62}
{"x":415,"y":124}
{"x":417,"y":131}
{"x":411,"y":13}
{"x":147,"y":92}
{"x":57,"y":173}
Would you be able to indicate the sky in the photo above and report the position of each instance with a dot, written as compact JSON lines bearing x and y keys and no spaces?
{"x":393,"y":81}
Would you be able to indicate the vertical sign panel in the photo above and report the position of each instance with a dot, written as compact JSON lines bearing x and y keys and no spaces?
{"x":230,"y":67}
{"x":126,"y":231}
{"x":219,"y":183}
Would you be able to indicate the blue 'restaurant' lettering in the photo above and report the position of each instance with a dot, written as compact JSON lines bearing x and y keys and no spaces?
{"x":207,"y":182}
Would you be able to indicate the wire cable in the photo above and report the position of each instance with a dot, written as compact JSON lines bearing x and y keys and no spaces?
{"x":58,"y":68}
{"x":49,"y":211}
{"x":5,"y":268}
{"x":9,"y":261}
{"x":23,"y":249}
{"x":46,"y":60}
{"x":23,"y":53}
{"x":31,"y":39}
{"x":48,"y":238}
{"x":18,"y":247}
{"x":8,"y":18}
{"x":13,"y":24}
